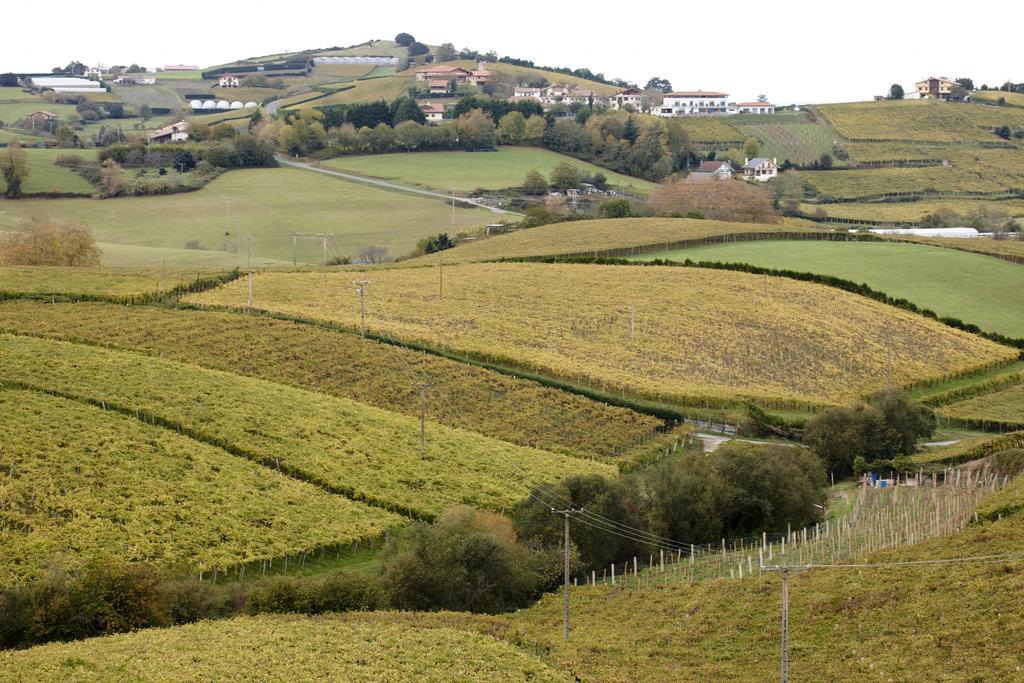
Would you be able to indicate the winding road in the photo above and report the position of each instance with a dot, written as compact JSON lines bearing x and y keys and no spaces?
{"x":284,"y":161}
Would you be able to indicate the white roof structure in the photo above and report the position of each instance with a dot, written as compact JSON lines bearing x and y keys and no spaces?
{"x":223,"y":104}
{"x":961,"y":233}
{"x":67,"y":84}
{"x":237,"y":105}
{"x":209,"y":104}
{"x":251,"y":104}
{"x":196,"y":104}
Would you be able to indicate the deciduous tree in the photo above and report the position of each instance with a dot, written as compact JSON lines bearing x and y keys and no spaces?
{"x":14,"y":166}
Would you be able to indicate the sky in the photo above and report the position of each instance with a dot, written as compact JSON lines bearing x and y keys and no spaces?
{"x":793,"y":51}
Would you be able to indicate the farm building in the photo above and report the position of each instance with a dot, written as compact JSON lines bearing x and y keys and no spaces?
{"x":694,"y":103}
{"x":42,"y":119}
{"x":933,"y":88}
{"x":631,"y":96}
{"x":756,"y":108}
{"x":66,"y":84}
{"x":761,"y":169}
{"x":176,"y":132}
{"x":433,"y":112}
{"x":228,"y":81}
{"x":718,"y":169}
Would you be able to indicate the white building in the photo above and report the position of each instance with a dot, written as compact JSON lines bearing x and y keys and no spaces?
{"x":695,"y":103}
{"x":756,"y":108}
{"x":761,"y":169}
{"x":554,"y":94}
{"x":433,"y":112}
{"x":722,"y":170}
{"x":176,"y":132}
{"x":94,"y":73}
{"x":66,"y":84}
{"x":631,"y":96}
{"x":228,"y":81}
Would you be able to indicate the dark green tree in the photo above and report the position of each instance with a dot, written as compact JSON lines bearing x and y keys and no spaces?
{"x":631,"y":132}
{"x":896,"y":91}
{"x":404,"y":39}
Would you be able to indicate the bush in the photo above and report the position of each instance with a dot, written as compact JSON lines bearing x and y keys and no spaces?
{"x":469,"y":560}
{"x":335,"y":592}
{"x":43,"y":241}
{"x":725,"y":200}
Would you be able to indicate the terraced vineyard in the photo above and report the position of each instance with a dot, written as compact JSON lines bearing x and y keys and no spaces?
{"x":1013,"y":99}
{"x":78,"y":483}
{"x":873,"y":182}
{"x":629,"y":235}
{"x":1000,"y":409}
{"x":912,"y":211}
{"x":920,"y":120}
{"x":341,"y":445}
{"x":711,"y":130}
{"x":344,"y":365}
{"x":681,"y":335}
{"x":286,"y":647}
{"x":792,"y":137}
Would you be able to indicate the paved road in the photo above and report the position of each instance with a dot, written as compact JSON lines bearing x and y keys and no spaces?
{"x":284,"y":161}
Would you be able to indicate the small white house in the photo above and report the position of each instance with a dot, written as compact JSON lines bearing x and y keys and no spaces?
{"x":756,"y":108}
{"x":433,"y":112}
{"x":94,"y":73}
{"x":761,"y":169}
{"x":228,"y":81}
{"x":524,"y":92}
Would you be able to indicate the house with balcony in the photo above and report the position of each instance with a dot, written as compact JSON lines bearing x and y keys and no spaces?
{"x":933,"y":88}
{"x":719,"y":170}
{"x":176,"y":132}
{"x":630,"y":96}
{"x":695,"y":103}
{"x":442,"y":72}
{"x":228,"y":81}
{"x":760,"y":169}
{"x":433,"y":111}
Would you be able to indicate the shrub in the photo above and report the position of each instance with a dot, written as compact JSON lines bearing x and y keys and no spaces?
{"x":727,"y":200}
{"x":43,"y":241}
{"x":616,"y":208}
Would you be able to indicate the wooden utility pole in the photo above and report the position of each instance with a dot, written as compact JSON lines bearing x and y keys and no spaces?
{"x":250,"y":288}
{"x":440,"y":279}
{"x":323,"y":236}
{"x":785,"y":625}
{"x":423,"y":415}
{"x":361,"y":288}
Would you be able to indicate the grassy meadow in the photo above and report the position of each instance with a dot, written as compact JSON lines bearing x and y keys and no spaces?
{"x":974,"y":288}
{"x":597,"y":236}
{"x":468,"y":171}
{"x":678,"y":335}
{"x":267,"y":204}
{"x":911,"y":211}
{"x":46,"y":176}
{"x":103,"y":281}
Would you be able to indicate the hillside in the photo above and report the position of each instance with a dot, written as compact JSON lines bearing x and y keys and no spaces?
{"x":610,"y":236}
{"x":268,"y":204}
{"x":466,"y":172}
{"x":286,"y":647}
{"x":85,"y":483}
{"x":345,"y":447}
{"x":971,"y":287}
{"x":683,"y":335}
{"x":919,"y":121}
{"x":343,"y":365}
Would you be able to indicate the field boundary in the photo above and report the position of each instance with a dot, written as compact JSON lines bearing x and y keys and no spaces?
{"x":285,"y":469}
{"x":197,"y":286}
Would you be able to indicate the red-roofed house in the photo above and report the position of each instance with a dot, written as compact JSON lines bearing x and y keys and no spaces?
{"x":439,"y":86}
{"x":756,"y":108}
{"x":433,"y":112}
{"x":433,"y":73}
{"x":630,"y":96}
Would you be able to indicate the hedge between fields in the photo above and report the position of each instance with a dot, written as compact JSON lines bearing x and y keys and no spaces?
{"x":196,"y":286}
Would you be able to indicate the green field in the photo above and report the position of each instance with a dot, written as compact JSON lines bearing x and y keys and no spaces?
{"x":45,"y":176}
{"x":94,"y":281}
{"x":1013,"y":99}
{"x":343,"y":365}
{"x":11,"y":112}
{"x":368,"y":454}
{"x":468,"y":171}
{"x":267,"y":204}
{"x":974,"y":288}
{"x":105,"y":485}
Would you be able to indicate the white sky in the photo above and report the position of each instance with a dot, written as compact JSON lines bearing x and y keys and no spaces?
{"x":791,"y":50}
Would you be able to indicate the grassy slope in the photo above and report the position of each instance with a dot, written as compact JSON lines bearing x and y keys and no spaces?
{"x":1015,"y":99}
{"x":583,"y":237}
{"x":469,"y":171}
{"x":1005,"y":406}
{"x":698,"y":332}
{"x":788,"y":135}
{"x":269,"y":203}
{"x":920,"y":120}
{"x":343,"y":365}
{"x":286,"y":647}
{"x":975,"y":288}
{"x":46,"y":176}
{"x":912,"y":211}
{"x":340,"y":444}
{"x":90,"y":483}
{"x":94,"y":281}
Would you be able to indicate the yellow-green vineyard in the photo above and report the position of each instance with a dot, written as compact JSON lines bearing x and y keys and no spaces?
{"x":680,"y":335}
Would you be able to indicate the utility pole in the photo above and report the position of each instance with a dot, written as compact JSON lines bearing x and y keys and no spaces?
{"x":250,"y":288}
{"x":453,"y":206}
{"x":785,"y":625}
{"x":324,"y":236}
{"x":440,"y":278}
{"x":361,"y":288}
{"x":423,"y":415}
{"x":565,"y":606}
{"x":248,"y":253}
{"x":888,"y":365}
{"x":295,"y":238}
{"x":632,"y":321}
